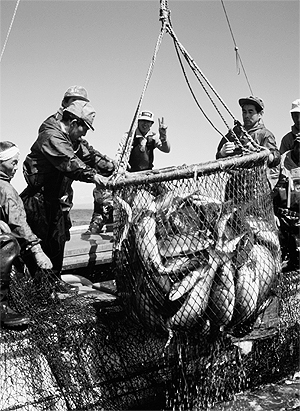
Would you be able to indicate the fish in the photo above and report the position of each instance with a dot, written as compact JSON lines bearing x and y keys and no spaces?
{"x":267,"y":269}
{"x":182,"y":244}
{"x":76,"y":279}
{"x":222,"y":297}
{"x":180,"y":265}
{"x":123,"y":233}
{"x":264,"y":232}
{"x":246,"y":289}
{"x":148,"y":251}
{"x":143,"y":201}
{"x":221,"y":227}
{"x":145,"y":309}
{"x":228,"y":246}
{"x":180,"y":288}
{"x":196,"y":302}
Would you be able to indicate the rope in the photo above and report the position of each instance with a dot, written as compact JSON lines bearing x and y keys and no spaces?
{"x":193,"y":94}
{"x":198,"y":72}
{"x":124,"y":150}
{"x":236,"y":49}
{"x":9,"y":29}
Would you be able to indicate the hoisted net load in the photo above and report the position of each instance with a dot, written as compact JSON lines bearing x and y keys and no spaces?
{"x":196,"y":247}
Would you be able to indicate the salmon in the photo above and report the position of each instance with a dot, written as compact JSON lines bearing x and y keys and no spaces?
{"x":267,"y":269}
{"x":122,"y":234}
{"x":186,"y":284}
{"x":222,"y":298}
{"x":182,"y":244}
{"x":143,"y":201}
{"x":247,"y":288}
{"x":264,"y":232}
{"x":196,"y":302}
{"x":148,"y":252}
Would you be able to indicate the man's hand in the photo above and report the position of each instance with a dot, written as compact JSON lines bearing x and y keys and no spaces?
{"x":100,"y":181}
{"x":162,"y":128}
{"x":227,"y":149}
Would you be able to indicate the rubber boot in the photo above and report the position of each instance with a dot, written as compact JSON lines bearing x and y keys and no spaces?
{"x":9,"y":251}
{"x":10,"y":318}
{"x":97,"y":225}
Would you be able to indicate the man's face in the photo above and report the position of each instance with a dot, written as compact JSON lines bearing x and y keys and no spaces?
{"x":10,"y":167}
{"x":250,"y":115}
{"x":144,"y":126}
{"x":296,"y":119}
{"x":77,"y":129}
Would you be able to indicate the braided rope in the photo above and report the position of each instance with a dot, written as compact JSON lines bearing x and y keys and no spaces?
{"x":9,"y":30}
{"x":124,"y":149}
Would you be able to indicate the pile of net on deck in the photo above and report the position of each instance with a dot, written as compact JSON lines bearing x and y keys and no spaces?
{"x":76,"y":354}
{"x":196,"y":247}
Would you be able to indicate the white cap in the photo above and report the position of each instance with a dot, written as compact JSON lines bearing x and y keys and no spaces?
{"x":296,"y":106}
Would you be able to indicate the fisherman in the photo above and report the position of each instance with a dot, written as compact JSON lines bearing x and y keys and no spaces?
{"x":59,"y":156}
{"x":287,"y":204}
{"x":287,"y":142}
{"x":252,"y":113}
{"x":73,"y":93}
{"x":141,"y":158}
{"x":13,"y":222}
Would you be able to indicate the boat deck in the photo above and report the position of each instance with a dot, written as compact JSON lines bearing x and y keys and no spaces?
{"x":88,"y":250}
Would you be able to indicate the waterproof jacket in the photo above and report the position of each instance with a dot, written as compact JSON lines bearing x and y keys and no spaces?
{"x":53,"y":157}
{"x":287,"y":142}
{"x":264,"y":138}
{"x":142,"y":156}
{"x":13,"y":213}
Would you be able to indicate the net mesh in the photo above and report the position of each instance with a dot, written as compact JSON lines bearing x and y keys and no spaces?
{"x":80,"y":354}
{"x":196,"y":247}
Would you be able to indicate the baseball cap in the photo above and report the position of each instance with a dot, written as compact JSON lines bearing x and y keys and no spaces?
{"x":252,"y":100}
{"x":146,"y":115}
{"x":83,"y":110}
{"x":76,"y":91}
{"x":296,"y":106}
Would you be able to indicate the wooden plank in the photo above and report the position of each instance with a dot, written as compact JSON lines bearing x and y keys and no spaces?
{"x":86,"y":250}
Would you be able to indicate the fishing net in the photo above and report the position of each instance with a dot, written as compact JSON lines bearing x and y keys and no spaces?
{"x":196,"y":247}
{"x":77,"y":356}
{"x":82,"y":354}
{"x":77,"y":353}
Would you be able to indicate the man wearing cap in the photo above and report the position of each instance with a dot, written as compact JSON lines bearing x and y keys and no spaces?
{"x":59,"y":156}
{"x":286,"y":197}
{"x":252,"y":113}
{"x":287,"y":142}
{"x":141,"y":158}
{"x":146,"y":141}
{"x":73,"y":93}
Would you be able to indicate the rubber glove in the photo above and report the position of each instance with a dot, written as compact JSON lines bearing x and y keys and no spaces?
{"x":42,"y":260}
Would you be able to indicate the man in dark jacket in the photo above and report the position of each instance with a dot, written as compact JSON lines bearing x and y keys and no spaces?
{"x":141,"y":158}
{"x":59,"y":156}
{"x":287,"y":142}
{"x":252,"y":113}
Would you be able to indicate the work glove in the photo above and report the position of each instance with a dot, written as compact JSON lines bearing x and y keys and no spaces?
{"x":4,"y":228}
{"x":42,"y":260}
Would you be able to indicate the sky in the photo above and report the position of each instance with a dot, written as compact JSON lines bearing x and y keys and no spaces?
{"x":107,"y":47}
